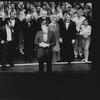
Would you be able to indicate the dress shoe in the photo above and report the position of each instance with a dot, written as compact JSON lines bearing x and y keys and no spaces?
{"x":59,"y":61}
{"x":12,"y":65}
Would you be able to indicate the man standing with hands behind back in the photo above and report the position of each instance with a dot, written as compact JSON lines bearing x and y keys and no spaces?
{"x":45,"y":40}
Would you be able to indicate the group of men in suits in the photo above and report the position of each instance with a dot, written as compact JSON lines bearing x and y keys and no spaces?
{"x":37,"y":34}
{"x":45,"y":40}
{"x":29,"y":28}
{"x":9,"y":40}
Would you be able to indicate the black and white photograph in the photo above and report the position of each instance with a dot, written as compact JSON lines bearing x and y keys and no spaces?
{"x":42,"y":40}
{"x":45,"y":36}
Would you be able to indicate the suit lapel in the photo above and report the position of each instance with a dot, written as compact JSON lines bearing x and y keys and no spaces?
{"x":48,"y":36}
{"x":70,"y":24}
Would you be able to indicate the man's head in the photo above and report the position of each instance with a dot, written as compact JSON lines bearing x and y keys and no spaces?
{"x":54,"y":18}
{"x":28,"y":17}
{"x":12,"y":6}
{"x":69,"y":16}
{"x":38,"y":8}
{"x":66,"y":15}
{"x":44,"y":7}
{"x":44,"y":27}
{"x":80,"y":12}
{"x":12,"y":14}
{"x":68,"y":7}
{"x":85,"y":22}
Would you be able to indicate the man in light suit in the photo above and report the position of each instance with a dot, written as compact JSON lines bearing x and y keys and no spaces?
{"x":45,"y":40}
{"x":68,"y":35}
{"x":7,"y":43}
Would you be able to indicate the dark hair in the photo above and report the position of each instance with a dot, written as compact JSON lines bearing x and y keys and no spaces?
{"x":12,"y":3}
{"x":69,"y":14}
{"x":64,"y":11}
{"x":11,"y":12}
{"x":44,"y":23}
{"x":86,"y":20}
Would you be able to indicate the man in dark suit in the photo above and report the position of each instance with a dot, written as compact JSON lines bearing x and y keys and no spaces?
{"x":16,"y":25}
{"x":29,"y":32}
{"x":1,"y":24}
{"x":68,"y":34}
{"x":7,"y":43}
{"x":45,"y":40}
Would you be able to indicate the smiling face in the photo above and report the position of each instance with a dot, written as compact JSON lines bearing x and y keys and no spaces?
{"x":54,"y":20}
{"x":65,"y":16}
{"x":85,"y":22}
{"x":12,"y":14}
{"x":68,"y":17}
{"x":44,"y":28}
{"x":12,"y":6}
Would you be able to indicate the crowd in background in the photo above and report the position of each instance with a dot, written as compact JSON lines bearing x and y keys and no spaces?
{"x":36,"y":13}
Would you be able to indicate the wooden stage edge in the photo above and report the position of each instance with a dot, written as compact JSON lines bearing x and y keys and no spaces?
{"x":76,"y":62}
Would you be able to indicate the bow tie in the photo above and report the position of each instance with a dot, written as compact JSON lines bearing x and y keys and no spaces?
{"x":67,"y":22}
{"x":12,"y":19}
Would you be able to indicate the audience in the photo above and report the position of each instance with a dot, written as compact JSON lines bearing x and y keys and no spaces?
{"x":42,"y":12}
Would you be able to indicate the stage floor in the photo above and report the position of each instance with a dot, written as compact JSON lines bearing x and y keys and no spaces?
{"x":60,"y":67}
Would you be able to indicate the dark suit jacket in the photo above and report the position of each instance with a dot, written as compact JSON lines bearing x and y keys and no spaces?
{"x":51,"y":40}
{"x":3,"y":34}
{"x":16,"y":29}
{"x":29,"y":32}
{"x":70,"y":33}
{"x":1,"y":22}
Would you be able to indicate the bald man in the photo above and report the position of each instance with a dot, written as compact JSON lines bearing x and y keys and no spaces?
{"x":29,"y":31}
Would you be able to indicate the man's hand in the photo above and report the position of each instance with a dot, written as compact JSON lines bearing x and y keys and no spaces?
{"x":73,"y":41}
{"x":2,"y":41}
{"x":60,"y":39}
{"x":42,"y":44}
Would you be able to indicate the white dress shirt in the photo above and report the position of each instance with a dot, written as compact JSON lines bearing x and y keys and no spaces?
{"x":13,"y":22}
{"x":45,"y":36}
{"x":8,"y":31}
{"x":67,"y":25}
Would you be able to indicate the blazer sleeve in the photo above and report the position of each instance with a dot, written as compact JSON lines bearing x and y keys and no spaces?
{"x":53,"y":40}
{"x":36,"y":41}
{"x":1,"y":34}
{"x":74,"y":30}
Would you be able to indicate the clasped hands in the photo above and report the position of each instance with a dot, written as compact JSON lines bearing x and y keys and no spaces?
{"x":42,"y":44}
